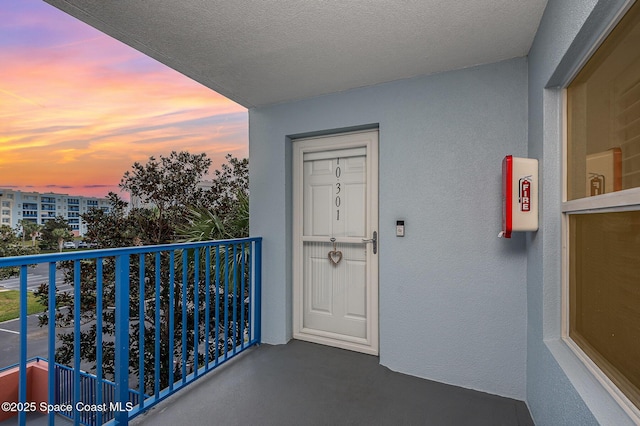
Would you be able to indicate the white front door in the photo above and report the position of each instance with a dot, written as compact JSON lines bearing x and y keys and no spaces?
{"x":335,"y":241}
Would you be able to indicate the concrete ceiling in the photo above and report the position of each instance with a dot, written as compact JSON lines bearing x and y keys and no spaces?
{"x":259,"y":52}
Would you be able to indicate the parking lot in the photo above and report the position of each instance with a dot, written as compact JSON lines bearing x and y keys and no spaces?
{"x":35,"y":277}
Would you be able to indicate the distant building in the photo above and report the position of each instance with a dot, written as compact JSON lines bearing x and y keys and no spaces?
{"x":41,"y":207}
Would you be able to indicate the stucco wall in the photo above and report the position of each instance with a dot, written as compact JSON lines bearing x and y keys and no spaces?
{"x":452,"y":295}
{"x":560,"y":391}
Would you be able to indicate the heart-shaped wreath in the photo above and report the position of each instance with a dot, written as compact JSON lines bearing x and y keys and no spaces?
{"x":335,"y":256}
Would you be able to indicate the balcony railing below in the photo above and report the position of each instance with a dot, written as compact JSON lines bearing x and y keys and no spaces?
{"x":148,"y":320}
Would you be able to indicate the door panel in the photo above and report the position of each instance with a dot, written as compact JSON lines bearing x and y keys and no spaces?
{"x":335,"y":295}
{"x":319,"y":201}
{"x":335,"y":272}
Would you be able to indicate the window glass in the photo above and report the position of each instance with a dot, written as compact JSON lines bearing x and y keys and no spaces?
{"x":604,"y":291}
{"x":604,"y":116}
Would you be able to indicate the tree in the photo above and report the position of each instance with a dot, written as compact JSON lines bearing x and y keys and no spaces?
{"x":203,"y":224}
{"x":32,"y":229}
{"x":230,"y":185}
{"x":116,"y":228}
{"x":52,"y":239}
{"x":169,"y":186}
{"x":61,"y":234}
{"x":10,"y":245}
{"x":224,"y":212}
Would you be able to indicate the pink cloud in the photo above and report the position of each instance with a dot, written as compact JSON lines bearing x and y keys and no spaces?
{"x":83,"y":109}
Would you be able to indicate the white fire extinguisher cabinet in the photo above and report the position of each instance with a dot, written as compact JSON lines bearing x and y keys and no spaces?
{"x":519,"y":195}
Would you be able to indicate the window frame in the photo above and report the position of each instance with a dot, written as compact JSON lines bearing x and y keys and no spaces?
{"x":618,"y":201}
{"x":624,"y":200}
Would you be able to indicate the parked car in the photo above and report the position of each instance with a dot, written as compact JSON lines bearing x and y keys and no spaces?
{"x":83,"y":244}
{"x":69,"y":245}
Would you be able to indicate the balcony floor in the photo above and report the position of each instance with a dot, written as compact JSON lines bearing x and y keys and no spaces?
{"x":306,"y":384}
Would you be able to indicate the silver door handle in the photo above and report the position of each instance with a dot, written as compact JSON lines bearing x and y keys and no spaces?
{"x":373,"y":240}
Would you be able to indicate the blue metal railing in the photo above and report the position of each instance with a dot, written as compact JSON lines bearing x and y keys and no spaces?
{"x":90,"y":387}
{"x":64,"y":382}
{"x":151,"y":318}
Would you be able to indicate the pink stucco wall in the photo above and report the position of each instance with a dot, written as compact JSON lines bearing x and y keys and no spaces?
{"x":36,"y":386}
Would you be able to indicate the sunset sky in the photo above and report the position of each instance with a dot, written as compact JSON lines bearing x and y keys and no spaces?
{"x":78,"y":108}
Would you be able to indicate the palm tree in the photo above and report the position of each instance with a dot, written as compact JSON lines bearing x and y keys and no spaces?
{"x":30,"y":228}
{"x":203,"y":224}
{"x":61,"y":235}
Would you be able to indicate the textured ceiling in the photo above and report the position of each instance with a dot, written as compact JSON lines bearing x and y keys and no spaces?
{"x":259,"y":52}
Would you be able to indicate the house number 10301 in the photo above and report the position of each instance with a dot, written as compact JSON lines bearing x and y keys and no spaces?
{"x":338,"y":189}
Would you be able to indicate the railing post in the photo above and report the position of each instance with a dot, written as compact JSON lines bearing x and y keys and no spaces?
{"x":99,"y":350}
{"x":22,"y":381}
{"x":77,"y":340}
{"x":258,"y":285}
{"x":52,"y":389}
{"x":122,"y":339}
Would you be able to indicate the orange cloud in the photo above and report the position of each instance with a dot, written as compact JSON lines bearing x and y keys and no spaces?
{"x":79,"y":113}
